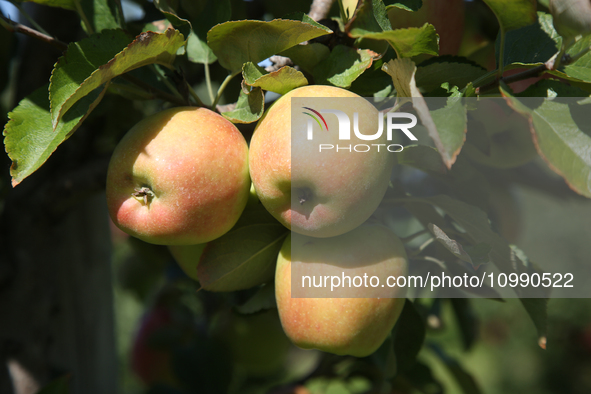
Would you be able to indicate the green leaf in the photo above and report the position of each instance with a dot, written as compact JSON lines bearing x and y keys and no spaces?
{"x":537,"y":309}
{"x":343,"y":66}
{"x":102,"y":14}
{"x":446,"y":125}
{"x":91,"y":62}
{"x":263,"y":299}
{"x":352,"y":385}
{"x":451,"y":123}
{"x":402,"y":72}
{"x":409,"y":336}
{"x":533,"y":44}
{"x":238,"y":42}
{"x":422,"y":157}
{"x":216,"y":11}
{"x":245,"y":256}
{"x":452,"y":245}
{"x":385,"y":359}
{"x":581,"y":69}
{"x":479,"y":254}
{"x":408,"y":5}
{"x":407,"y":42}
{"x":456,"y":71}
{"x":67,"y":4}
{"x":181,"y":24}
{"x":560,"y":140}
{"x":421,"y":377}
{"x":57,"y":386}
{"x":371,"y":16}
{"x":29,"y":135}
{"x":307,"y":56}
{"x":252,"y":72}
{"x":280,"y":81}
{"x":467,"y":321}
{"x":249,"y":108}
{"x":373,"y":82}
{"x":513,"y":14}
{"x":465,"y":381}
{"x":476,"y":224}
{"x":552,"y":88}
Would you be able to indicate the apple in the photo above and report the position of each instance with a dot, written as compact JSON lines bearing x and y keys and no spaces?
{"x":348,"y":320}
{"x":571,"y":17}
{"x":447,"y":16}
{"x":321,"y":194}
{"x":187,"y":257}
{"x":179,"y":177}
{"x":258,"y":345}
{"x":498,"y":137}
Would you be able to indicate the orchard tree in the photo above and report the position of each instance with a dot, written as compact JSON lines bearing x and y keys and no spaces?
{"x":161,"y":131}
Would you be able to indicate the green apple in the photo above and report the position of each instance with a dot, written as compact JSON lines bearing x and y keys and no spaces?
{"x":179,"y":177}
{"x":187,"y":257}
{"x":447,"y":16}
{"x":351,"y":320}
{"x":325,"y":193}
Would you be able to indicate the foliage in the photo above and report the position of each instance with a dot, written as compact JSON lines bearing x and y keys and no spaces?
{"x":190,"y":50}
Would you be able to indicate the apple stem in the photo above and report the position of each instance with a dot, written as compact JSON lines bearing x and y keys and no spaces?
{"x":144,"y":194}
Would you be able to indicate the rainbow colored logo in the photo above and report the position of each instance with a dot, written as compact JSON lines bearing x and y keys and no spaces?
{"x":315,"y":118}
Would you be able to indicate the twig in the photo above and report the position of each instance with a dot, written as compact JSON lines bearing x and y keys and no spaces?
{"x":12,"y":26}
{"x":28,"y":17}
{"x":531,"y":73}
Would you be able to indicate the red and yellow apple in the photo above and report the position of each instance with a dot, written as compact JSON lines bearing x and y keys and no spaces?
{"x":447,"y":16}
{"x":571,"y":17}
{"x":179,"y":177}
{"x":348,"y":320}
{"x":318,"y":193}
{"x":151,"y":363}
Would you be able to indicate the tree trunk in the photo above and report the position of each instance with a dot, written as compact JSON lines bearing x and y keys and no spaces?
{"x":56,"y":298}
